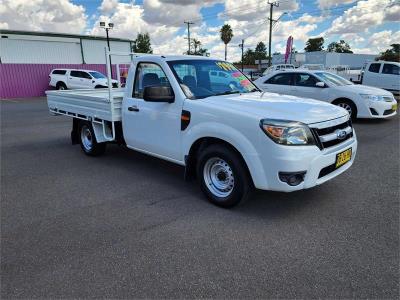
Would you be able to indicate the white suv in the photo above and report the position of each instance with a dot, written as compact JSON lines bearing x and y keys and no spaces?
{"x":63,"y":79}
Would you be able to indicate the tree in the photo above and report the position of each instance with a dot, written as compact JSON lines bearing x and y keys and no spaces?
{"x":142,"y":44}
{"x":339,"y":47}
{"x":392,"y":54}
{"x":198,"y":50}
{"x":249,"y":57}
{"x":226,"y":36}
{"x":315,"y":44}
{"x":260,"y":51}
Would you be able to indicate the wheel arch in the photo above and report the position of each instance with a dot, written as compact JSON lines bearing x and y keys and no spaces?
{"x":249,"y":158}
{"x":339,"y":99}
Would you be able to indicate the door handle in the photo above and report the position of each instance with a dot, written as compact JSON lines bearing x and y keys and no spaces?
{"x":133,"y":108}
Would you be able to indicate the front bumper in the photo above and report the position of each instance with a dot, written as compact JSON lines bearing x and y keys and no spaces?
{"x":309,"y":159}
{"x":379,"y":109}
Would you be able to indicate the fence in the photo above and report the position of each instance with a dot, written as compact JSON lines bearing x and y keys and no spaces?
{"x":32,"y":80}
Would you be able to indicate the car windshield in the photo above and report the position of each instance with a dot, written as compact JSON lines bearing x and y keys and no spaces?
{"x":97,"y":75}
{"x":333,"y":79}
{"x":201,"y":78}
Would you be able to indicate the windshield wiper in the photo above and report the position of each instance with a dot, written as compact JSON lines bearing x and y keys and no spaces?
{"x":228,"y":93}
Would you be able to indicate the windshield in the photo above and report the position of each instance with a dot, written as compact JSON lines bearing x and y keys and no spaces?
{"x":204,"y":78}
{"x":333,"y":79}
{"x":97,"y":75}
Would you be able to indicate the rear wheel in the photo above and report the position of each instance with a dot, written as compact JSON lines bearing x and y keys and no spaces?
{"x":223,"y":176}
{"x":61,"y":86}
{"x":347,"y":105}
{"x":88,"y":141}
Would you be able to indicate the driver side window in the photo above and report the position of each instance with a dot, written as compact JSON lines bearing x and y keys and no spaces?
{"x":148,"y":74}
{"x":306,"y":80}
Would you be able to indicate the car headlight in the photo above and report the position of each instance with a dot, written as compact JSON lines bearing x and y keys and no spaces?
{"x":371,"y":97}
{"x":287,"y":132}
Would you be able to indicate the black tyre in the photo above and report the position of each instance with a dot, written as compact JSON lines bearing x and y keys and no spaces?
{"x":223,"y":176}
{"x":87,"y":140}
{"x":61,"y":86}
{"x":347,"y":105}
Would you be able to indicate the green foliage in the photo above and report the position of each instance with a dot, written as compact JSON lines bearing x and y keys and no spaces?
{"x":142,"y":44}
{"x":226,"y":36}
{"x":392,"y":54}
{"x":260,"y":51}
{"x":315,"y":44}
{"x":339,"y":47}
{"x":198,"y":50}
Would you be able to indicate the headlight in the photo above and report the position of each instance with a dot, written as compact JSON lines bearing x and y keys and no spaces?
{"x":371,"y":97}
{"x":287,"y":132}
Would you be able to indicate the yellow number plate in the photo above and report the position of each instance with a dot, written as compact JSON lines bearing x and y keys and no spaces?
{"x":343,"y":157}
{"x":394,"y":106}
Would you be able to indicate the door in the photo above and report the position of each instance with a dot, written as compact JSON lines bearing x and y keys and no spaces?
{"x":150,"y":126}
{"x":305,"y":86}
{"x":371,"y":75}
{"x":390,"y":77}
{"x":79,"y":80}
{"x":281,"y":83}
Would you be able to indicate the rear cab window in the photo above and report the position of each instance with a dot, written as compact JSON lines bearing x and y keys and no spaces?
{"x":391,"y":69}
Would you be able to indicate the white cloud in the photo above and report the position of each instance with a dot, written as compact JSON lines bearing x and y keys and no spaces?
{"x":324,"y":4}
{"x":43,"y":15}
{"x":306,"y":18}
{"x":108,"y":6}
{"x":382,"y":40}
{"x":364,"y":15}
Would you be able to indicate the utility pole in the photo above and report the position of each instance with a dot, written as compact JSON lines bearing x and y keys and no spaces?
{"x":188,"y":32}
{"x":242,"y":46}
{"x":272,"y":3}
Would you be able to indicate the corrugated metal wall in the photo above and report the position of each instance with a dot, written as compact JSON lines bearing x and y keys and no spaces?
{"x":93,"y":51}
{"x":32,"y":80}
{"x":41,"y":51}
{"x":32,"y":49}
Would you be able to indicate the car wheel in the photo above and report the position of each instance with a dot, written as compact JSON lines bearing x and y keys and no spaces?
{"x":223,"y":176}
{"x":88,"y":141}
{"x":61,"y":86}
{"x":349,"y":106}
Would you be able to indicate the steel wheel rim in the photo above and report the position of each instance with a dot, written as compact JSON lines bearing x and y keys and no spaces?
{"x":346,"y":107}
{"x":218,"y":177}
{"x":87,"y":138}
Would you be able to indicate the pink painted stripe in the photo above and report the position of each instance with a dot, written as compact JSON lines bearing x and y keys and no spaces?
{"x":32,"y":80}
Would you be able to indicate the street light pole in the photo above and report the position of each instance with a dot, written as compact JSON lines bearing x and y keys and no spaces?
{"x":107,"y":28}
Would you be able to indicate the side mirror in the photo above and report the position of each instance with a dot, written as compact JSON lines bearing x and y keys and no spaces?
{"x":158,"y":93}
{"x":320,"y":84}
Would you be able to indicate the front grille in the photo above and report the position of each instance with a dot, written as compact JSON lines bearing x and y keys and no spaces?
{"x":388,"y":112}
{"x":320,"y":133}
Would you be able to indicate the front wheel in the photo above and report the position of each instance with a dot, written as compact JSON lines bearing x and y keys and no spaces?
{"x":223,"y":176}
{"x":88,"y":141}
{"x":349,"y":106}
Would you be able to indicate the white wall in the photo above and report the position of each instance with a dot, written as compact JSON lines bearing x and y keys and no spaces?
{"x":15,"y":49}
{"x":93,"y":51}
{"x":57,"y":50}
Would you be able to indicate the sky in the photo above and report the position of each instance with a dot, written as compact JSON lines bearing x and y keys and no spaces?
{"x":369,"y":26}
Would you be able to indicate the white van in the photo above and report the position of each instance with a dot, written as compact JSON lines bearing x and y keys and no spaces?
{"x":382,"y":74}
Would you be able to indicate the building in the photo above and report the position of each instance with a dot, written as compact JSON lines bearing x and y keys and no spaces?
{"x":28,"y":47}
{"x":328,"y":59}
{"x":28,"y":57}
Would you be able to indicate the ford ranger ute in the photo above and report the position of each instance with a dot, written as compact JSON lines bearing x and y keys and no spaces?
{"x":227,"y":133}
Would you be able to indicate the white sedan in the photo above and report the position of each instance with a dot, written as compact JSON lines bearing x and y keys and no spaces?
{"x":359,"y":100}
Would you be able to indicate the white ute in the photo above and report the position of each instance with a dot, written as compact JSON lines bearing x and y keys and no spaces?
{"x":231,"y":136}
